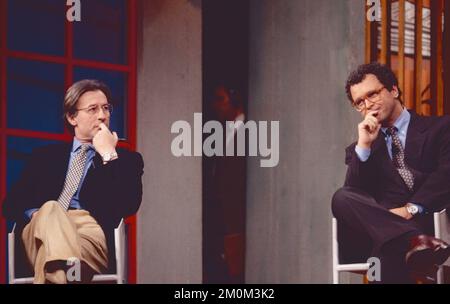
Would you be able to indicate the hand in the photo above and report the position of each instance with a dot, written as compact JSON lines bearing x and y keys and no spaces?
{"x":402,"y":211}
{"x":105,"y":141}
{"x":368,"y":130}
{"x":34,"y":214}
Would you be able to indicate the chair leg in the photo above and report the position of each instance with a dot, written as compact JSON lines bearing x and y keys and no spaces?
{"x":438,"y":234}
{"x":335,"y":251}
{"x":120,"y":247}
{"x":11,"y":255}
{"x":440,"y":275}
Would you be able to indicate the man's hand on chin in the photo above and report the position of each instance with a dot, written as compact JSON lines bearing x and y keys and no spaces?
{"x":368,"y":130}
{"x":105,"y":141}
{"x":402,"y":211}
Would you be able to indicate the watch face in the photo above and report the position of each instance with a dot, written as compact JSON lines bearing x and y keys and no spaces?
{"x":413,"y":209}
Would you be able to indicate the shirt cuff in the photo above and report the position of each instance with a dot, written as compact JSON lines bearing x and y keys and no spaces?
{"x":29,"y":213}
{"x":363,"y":153}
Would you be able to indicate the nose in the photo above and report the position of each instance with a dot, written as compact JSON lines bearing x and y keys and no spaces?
{"x":368,"y":103}
{"x":101,"y":115}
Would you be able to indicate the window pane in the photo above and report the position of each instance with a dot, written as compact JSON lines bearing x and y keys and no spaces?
{"x":37,"y":26}
{"x":116,"y":81}
{"x":101,"y":34}
{"x":18,"y":152}
{"x":35,"y":94}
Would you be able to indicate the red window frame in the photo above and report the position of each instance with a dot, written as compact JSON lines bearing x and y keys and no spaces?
{"x":70,"y":62}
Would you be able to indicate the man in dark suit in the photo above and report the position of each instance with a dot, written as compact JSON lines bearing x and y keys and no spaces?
{"x":71,"y":194}
{"x":398,"y":175}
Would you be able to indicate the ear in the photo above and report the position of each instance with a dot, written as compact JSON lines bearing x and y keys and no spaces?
{"x":71,"y":119}
{"x":395,"y":91}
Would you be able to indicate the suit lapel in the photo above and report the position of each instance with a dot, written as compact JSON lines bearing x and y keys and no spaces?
{"x":380,"y":151}
{"x":60,"y":160}
{"x":379,"y":144}
{"x":415,"y":138}
{"x":97,"y":161}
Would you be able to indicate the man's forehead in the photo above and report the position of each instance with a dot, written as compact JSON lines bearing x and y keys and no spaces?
{"x":370,"y":82}
{"x":92,"y":97}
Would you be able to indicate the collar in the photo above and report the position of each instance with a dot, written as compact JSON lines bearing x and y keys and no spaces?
{"x":77,"y":144}
{"x":401,"y":123}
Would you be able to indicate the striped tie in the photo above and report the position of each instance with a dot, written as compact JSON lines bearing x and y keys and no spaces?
{"x":73,"y":177}
{"x":398,"y":158}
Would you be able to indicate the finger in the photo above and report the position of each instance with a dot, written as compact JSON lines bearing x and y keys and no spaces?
{"x":116,"y":138}
{"x":368,"y":128}
{"x":102,"y":126}
{"x":372,"y":125}
{"x":372,"y":114}
{"x":365,"y":124}
{"x":378,"y":127}
{"x":375,"y":122}
{"x":372,"y":119}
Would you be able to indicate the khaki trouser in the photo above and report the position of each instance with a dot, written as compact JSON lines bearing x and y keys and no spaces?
{"x":56,"y":235}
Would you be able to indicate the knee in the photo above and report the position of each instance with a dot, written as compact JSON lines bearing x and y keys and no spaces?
{"x":49,"y":206}
{"x":341,"y":199}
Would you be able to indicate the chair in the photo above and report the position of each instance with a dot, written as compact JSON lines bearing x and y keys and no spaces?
{"x":441,"y":230}
{"x":120,"y":251}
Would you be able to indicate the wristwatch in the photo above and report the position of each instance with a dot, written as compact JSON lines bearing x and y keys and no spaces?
{"x":412,"y":209}
{"x":108,"y":156}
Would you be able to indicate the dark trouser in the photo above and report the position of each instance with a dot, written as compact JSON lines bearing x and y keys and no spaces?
{"x":367,"y":229}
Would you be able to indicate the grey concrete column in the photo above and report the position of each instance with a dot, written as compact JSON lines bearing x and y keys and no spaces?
{"x":300,"y":54}
{"x":169,"y":240}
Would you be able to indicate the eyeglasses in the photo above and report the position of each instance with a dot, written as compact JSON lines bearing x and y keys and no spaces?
{"x":95,"y":109}
{"x":372,"y":96}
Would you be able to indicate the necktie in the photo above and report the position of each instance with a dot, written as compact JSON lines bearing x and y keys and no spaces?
{"x":73,"y":177}
{"x":398,"y":158}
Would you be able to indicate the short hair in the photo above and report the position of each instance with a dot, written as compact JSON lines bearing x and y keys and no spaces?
{"x":74,"y":93}
{"x":383,"y":73}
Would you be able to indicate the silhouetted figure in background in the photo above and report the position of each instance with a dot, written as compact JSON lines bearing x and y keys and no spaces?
{"x":225,"y":210}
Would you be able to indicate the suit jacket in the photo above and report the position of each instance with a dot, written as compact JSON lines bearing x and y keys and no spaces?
{"x":109,"y":192}
{"x":427,"y":153}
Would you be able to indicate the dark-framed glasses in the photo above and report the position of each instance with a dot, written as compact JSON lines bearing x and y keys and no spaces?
{"x":95,"y":109}
{"x":372,"y":96}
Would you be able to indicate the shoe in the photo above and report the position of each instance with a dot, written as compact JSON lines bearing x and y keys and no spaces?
{"x":426,"y":253}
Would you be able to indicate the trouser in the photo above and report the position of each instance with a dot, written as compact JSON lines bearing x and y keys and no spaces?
{"x":55,"y":236}
{"x":367,"y":229}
